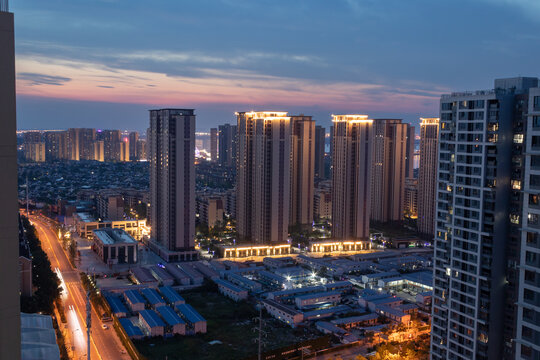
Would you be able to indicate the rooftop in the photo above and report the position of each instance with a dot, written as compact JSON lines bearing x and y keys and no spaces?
{"x":189,"y":313}
{"x":110,"y":236}
{"x":169,"y":315}
{"x":152,"y":296}
{"x":151,"y":318}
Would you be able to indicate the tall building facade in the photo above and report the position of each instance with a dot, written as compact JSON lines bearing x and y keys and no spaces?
{"x":320,"y":139}
{"x":409,"y":151}
{"x":56,"y":145}
{"x":214,"y":144}
{"x":528,"y":294}
{"x":302,"y":170}
{"x":133,"y":139}
{"x":35,"y":151}
{"x":80,"y":144}
{"x":99,"y":150}
{"x":228,"y":135}
{"x":263,"y":176}
{"x":10,"y":321}
{"x":388,"y":173}
{"x":112,"y":140}
{"x":142,"y":150}
{"x":427,"y":175}
{"x":485,"y":303}
{"x":124,"y":150}
{"x":351,"y":176}
{"x":171,"y":138}
{"x":410,"y":201}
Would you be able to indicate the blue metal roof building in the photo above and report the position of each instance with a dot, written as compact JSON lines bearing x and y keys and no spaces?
{"x":117,"y":306}
{"x":170,"y":317}
{"x":134,"y":297}
{"x":195,"y":320}
{"x":151,"y":318}
{"x":153,"y":297}
{"x":131,"y":330}
{"x":171,"y":296}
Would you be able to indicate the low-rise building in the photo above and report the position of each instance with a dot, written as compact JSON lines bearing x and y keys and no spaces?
{"x":245,"y":283}
{"x":175,"y":324}
{"x":318,"y":299}
{"x":85,"y":224}
{"x":247,"y":250}
{"x":356,"y":321}
{"x":134,"y":300}
{"x":162,"y":275}
{"x":332,"y":245}
{"x":196,"y":322}
{"x":284,"y":313}
{"x":132,"y":331}
{"x":117,"y":307}
{"x":115,"y":246}
{"x":171,"y":296}
{"x":151,"y":323}
{"x":230,"y":290}
{"x":393,"y":314}
{"x":153,"y":297}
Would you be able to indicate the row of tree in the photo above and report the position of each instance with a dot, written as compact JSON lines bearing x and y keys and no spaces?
{"x":45,"y":282}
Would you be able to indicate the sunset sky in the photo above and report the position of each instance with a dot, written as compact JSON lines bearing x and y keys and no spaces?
{"x":104,"y":63}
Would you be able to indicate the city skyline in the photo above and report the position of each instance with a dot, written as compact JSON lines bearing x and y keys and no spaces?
{"x":60,"y":72}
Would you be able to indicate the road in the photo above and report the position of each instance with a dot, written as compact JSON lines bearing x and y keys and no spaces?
{"x":104,"y":343}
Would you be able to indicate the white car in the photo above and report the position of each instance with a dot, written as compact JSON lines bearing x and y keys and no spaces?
{"x":104,"y":326}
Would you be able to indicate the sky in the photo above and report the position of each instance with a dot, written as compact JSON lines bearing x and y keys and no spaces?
{"x":104,"y":63}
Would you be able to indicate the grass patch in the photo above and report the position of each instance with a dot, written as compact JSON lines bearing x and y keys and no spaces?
{"x":227,"y":321}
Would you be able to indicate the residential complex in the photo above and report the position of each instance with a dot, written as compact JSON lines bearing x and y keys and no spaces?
{"x":427,"y":176}
{"x":485,"y":300}
{"x":172,"y":182}
{"x":388,"y":173}
{"x":320,"y":142}
{"x":302,"y":170}
{"x":228,"y":135}
{"x":263,"y":176}
{"x":351,"y":162}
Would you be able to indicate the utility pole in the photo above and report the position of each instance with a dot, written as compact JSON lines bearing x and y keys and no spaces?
{"x":88,"y":322}
{"x":261,"y":332}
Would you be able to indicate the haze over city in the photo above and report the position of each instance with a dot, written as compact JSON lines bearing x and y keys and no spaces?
{"x":106,"y":62}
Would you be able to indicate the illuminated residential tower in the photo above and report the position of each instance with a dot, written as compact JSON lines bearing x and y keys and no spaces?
{"x":351,"y":176}
{"x":263,"y":176}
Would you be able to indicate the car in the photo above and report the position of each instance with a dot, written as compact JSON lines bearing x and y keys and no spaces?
{"x":104,"y":326}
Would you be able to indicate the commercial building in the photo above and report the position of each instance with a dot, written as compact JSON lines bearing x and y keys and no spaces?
{"x":325,"y":246}
{"x":10,"y":321}
{"x":228,"y":135}
{"x":388,"y":173}
{"x":302,"y":171}
{"x":115,"y":246}
{"x":85,"y":224}
{"x":175,"y":324}
{"x":485,"y":251}
{"x":320,"y":143}
{"x":263,"y":177}
{"x":427,"y":175}
{"x":172,"y":183}
{"x":247,"y":250}
{"x":351,"y":176}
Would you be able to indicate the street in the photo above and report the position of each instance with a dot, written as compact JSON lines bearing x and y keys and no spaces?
{"x":104,"y":343}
